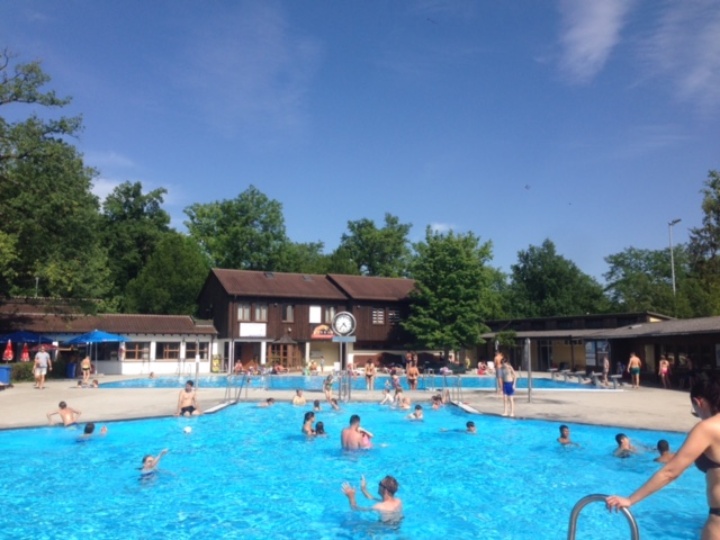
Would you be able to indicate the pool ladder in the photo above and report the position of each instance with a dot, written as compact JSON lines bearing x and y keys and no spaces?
{"x":582,"y":503}
{"x":345,"y":386}
{"x":233,"y":392}
{"x":455,"y":389}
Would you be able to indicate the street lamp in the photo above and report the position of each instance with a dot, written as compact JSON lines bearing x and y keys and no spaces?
{"x":671,"y":224}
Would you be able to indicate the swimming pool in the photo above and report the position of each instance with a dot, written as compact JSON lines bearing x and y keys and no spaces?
{"x":315,"y":383}
{"x":247,"y":472}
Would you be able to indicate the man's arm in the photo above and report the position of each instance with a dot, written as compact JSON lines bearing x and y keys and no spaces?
{"x":50,"y":415}
{"x":363,"y":488}
{"x":349,"y":492}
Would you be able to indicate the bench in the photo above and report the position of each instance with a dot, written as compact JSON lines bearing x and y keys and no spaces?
{"x":616,"y":380}
{"x":581,"y":375}
{"x":554,"y":373}
{"x":597,"y":378}
{"x":565,"y":373}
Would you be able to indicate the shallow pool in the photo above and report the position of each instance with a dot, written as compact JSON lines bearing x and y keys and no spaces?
{"x":315,"y":383}
{"x":247,"y":473}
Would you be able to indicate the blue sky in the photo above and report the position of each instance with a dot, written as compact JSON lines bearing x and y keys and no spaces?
{"x":589,"y":123}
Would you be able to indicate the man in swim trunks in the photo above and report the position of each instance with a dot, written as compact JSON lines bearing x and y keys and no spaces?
{"x":299,"y":400}
{"x":43,"y":364}
{"x":633,"y":369}
{"x":187,"y":401}
{"x":351,"y":438}
{"x":664,"y":371}
{"x":68,"y":415}
{"x":624,"y":448}
{"x":665,"y":454}
{"x":564,"y":437}
{"x":389,"y":509}
{"x":370,"y":375}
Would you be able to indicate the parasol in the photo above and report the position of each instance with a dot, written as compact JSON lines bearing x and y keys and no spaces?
{"x":25,"y":356}
{"x":8,"y":354}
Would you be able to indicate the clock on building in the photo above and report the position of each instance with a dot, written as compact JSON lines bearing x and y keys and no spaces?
{"x":344,"y":324}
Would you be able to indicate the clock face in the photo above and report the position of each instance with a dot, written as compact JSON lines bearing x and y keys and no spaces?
{"x":344,"y":323}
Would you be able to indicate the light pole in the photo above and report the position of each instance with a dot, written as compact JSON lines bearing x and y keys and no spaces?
{"x":671,"y":224}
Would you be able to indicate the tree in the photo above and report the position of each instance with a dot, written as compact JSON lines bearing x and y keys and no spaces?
{"x":453,"y":293}
{"x":641,"y":280}
{"x":545,"y":284}
{"x":378,"y":252}
{"x":245,"y":233}
{"x":171,"y":280}
{"x":133,"y":224}
{"x":49,"y":217}
{"x":704,"y":245}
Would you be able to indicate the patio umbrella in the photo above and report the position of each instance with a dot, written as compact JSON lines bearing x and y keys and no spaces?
{"x":8,"y":354}
{"x":24,"y":336}
{"x":96,"y":336}
{"x":25,"y":356}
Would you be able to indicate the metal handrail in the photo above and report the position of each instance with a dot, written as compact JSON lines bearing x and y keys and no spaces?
{"x":582,"y":503}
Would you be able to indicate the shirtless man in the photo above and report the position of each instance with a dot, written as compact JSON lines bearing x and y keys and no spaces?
{"x":299,"y":400}
{"x":68,"y":415}
{"x":413,"y":373}
{"x":564,"y":437}
{"x":187,"y":401}
{"x":417,"y":415}
{"x":665,"y":454}
{"x":633,"y":369}
{"x":624,"y":447}
{"x":389,"y":509}
{"x":354,"y":437}
{"x":499,"y":359}
{"x":370,"y":375}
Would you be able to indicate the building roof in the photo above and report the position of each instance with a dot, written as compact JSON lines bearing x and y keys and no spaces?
{"x":38,"y":317}
{"x":549,"y":334}
{"x":277,"y":284}
{"x":701,"y":325}
{"x":374,"y":288}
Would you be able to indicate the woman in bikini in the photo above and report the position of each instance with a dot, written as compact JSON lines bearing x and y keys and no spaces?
{"x":370,"y":375}
{"x":85,"y":366}
{"x":664,"y":371}
{"x":702,"y":447}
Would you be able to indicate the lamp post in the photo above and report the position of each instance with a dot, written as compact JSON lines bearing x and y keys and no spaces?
{"x":671,"y":224}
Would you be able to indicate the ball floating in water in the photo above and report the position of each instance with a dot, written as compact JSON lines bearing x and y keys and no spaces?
{"x":187,"y":429}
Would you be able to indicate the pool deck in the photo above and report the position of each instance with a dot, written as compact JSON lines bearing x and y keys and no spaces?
{"x":643,"y":408}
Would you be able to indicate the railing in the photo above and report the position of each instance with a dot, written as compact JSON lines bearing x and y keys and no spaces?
{"x":233,"y":391}
{"x":453,"y":387}
{"x":582,"y":503}
{"x":428,"y":379}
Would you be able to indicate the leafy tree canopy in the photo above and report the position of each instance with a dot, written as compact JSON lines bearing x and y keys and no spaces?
{"x":381,"y":252}
{"x":245,"y":233}
{"x":545,"y":284}
{"x":453,"y":294}
{"x":171,"y":280}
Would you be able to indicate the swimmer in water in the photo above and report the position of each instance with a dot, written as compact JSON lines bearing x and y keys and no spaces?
{"x":150,"y":465}
{"x":389,"y":508}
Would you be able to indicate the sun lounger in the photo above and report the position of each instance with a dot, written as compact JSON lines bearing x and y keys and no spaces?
{"x":565,"y":373}
{"x":597,"y":378}
{"x":581,"y":375}
{"x":616,"y":380}
{"x":554,"y":373}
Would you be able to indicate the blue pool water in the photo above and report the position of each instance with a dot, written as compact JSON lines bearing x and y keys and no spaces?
{"x":315,"y":383}
{"x":247,"y":473}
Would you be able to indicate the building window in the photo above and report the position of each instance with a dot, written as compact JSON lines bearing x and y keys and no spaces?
{"x":393,"y":316}
{"x":243,"y":312}
{"x":329,"y":314}
{"x":288,"y":313}
{"x":261,"y":312}
{"x":378,"y":316}
{"x":193,"y":348}
{"x":168,"y":351}
{"x":137,"y":351}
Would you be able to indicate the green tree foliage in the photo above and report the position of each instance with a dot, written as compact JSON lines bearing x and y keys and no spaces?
{"x":381,"y":252}
{"x":245,"y":233}
{"x":171,"y":280}
{"x":641,"y":280}
{"x":453,"y":293}
{"x":704,"y":246}
{"x":133,"y":224}
{"x":49,"y":218}
{"x":545,"y":284}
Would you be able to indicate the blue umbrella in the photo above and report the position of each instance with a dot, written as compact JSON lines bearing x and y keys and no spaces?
{"x":24,"y":336}
{"x":96,"y":336}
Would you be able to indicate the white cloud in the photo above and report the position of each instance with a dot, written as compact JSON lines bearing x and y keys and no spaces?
{"x":685,"y":46}
{"x":249,"y":72}
{"x":590,"y":31}
{"x":441,"y":227}
{"x":109,"y":159}
{"x":102,"y":187}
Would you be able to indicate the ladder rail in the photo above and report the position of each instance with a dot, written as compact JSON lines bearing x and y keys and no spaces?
{"x":596,"y":497}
